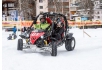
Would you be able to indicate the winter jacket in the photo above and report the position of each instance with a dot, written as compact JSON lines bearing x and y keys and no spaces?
{"x":14,"y":30}
{"x":43,"y":26}
{"x":59,"y":30}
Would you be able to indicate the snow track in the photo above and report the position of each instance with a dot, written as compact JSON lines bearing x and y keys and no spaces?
{"x":86,"y":56}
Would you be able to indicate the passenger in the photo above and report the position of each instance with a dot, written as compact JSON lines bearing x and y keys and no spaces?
{"x":58,"y":31}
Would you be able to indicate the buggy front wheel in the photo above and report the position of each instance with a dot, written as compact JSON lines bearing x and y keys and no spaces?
{"x":54,"y":49}
{"x":20,"y":44}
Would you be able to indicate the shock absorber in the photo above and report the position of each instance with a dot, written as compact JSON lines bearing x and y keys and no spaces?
{"x":45,"y":41}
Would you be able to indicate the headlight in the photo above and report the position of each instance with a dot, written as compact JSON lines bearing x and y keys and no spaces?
{"x":27,"y":35}
{"x":42,"y":37}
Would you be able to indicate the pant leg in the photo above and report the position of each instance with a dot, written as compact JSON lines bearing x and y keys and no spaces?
{"x":58,"y":36}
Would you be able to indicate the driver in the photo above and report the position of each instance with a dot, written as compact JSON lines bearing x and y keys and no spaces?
{"x":43,"y":24}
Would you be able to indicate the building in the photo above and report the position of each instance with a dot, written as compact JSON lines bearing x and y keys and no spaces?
{"x":74,"y":5}
{"x":8,"y":6}
{"x":59,"y":6}
{"x":75,"y":10}
{"x":41,"y":6}
{"x":97,"y":16}
{"x":13,"y":9}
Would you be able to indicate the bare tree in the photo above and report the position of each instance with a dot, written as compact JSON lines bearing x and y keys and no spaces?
{"x":28,"y":8}
{"x":87,"y":6}
{"x":55,"y":3}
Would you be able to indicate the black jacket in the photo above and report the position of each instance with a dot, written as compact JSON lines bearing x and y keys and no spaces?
{"x":59,"y":30}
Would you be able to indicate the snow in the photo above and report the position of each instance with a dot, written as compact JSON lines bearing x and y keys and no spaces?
{"x":87,"y":54}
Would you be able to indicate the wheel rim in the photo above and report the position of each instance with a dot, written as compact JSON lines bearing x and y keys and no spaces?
{"x":72,"y":43}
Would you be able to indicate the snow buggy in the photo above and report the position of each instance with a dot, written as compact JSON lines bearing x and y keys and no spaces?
{"x":44,"y":40}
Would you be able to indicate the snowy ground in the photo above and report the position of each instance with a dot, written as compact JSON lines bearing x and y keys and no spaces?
{"x":86,"y":56}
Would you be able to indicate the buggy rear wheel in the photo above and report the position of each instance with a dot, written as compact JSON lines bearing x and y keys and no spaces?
{"x":70,"y":44}
{"x":20,"y":44}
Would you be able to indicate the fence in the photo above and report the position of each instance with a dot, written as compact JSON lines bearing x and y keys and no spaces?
{"x":28,"y":23}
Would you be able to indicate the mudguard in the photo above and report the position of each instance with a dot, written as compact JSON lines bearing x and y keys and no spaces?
{"x":34,"y":36}
{"x":69,"y":36}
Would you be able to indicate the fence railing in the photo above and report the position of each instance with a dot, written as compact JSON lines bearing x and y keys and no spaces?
{"x":28,"y":23}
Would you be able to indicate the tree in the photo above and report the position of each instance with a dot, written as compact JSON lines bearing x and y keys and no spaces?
{"x":55,"y":3}
{"x":87,"y":6}
{"x":27,"y":8}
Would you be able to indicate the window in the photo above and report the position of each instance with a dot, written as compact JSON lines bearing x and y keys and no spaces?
{"x":52,"y":6}
{"x":41,"y":7}
{"x":95,"y":2}
{"x":65,"y":0}
{"x":100,"y":7}
{"x":88,"y":13}
{"x":5,"y":5}
{"x":92,"y":17}
{"x":58,"y":0}
{"x":52,"y":0}
{"x":98,"y":16}
{"x":66,"y":6}
{"x":10,"y":5}
{"x":98,"y":12}
{"x":40,"y":1}
{"x":62,"y":0}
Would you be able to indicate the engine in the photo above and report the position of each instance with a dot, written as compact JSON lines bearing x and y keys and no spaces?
{"x":40,"y":43}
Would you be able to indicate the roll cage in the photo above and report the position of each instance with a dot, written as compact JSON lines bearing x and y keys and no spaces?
{"x":54,"y":17}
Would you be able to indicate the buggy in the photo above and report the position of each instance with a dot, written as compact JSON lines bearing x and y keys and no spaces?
{"x":43,"y":39}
